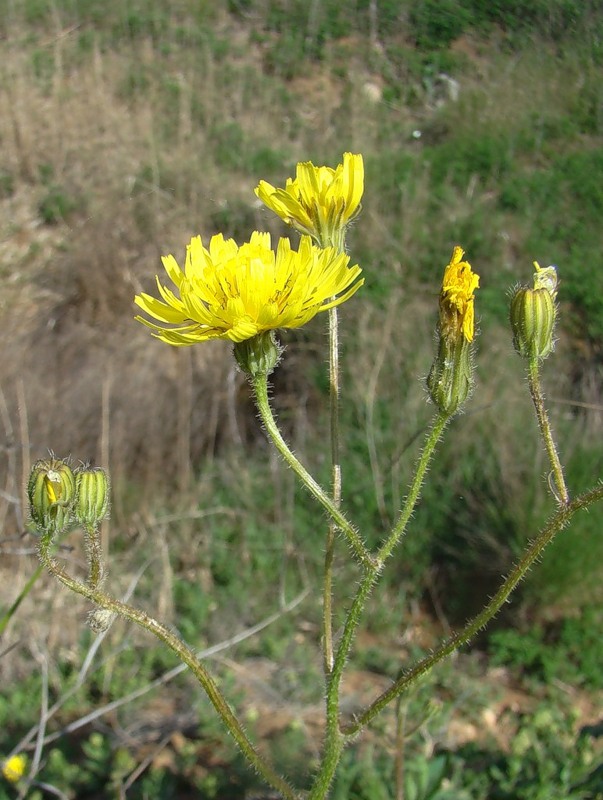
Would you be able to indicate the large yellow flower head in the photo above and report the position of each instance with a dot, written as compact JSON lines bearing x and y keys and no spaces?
{"x":231,"y":292}
{"x":320,"y":201}
{"x":456,"y":299}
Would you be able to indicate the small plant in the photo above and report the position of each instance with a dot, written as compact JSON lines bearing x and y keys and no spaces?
{"x":243,"y":294}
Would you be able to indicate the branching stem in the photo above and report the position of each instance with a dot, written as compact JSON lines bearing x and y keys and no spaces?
{"x":260,"y":387}
{"x":186,"y":656}
{"x":558,"y":521}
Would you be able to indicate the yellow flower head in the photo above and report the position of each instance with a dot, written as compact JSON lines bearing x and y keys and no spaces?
{"x":14,"y":768}
{"x":320,"y":201}
{"x":456,"y":299}
{"x":231,"y":292}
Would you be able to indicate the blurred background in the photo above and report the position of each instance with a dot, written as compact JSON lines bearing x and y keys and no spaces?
{"x":126,"y":127}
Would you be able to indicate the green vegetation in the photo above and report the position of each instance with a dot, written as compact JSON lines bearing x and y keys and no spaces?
{"x":129,"y":126}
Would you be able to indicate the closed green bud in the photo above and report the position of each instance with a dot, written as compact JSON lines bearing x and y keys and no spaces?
{"x":450,"y":379}
{"x":92,"y":501}
{"x":51,"y":491}
{"x":533,"y":314}
{"x":258,"y":355}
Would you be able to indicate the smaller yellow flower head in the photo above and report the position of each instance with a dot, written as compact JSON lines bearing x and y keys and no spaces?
{"x":320,"y":201}
{"x":14,"y":768}
{"x":235,"y":293}
{"x":456,"y":299}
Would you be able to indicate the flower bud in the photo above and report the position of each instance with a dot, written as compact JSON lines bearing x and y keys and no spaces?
{"x":92,"y":502}
{"x":258,"y":355}
{"x":51,"y":491}
{"x":533,"y":313}
{"x":450,"y":379}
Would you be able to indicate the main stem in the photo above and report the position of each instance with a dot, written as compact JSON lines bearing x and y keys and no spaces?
{"x":334,"y":738}
{"x":186,"y":656}
{"x":534,"y":551}
{"x":546,"y":432}
{"x":327,"y":610}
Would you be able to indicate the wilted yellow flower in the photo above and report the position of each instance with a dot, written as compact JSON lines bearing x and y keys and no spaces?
{"x":14,"y":768}
{"x":456,"y":299}
{"x":451,"y":376}
{"x":320,"y":201}
{"x":235,"y":293}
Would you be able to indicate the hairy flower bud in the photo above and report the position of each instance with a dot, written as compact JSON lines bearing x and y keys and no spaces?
{"x":450,"y":379}
{"x":451,"y":376}
{"x":92,"y":502}
{"x":51,"y":491}
{"x":258,"y":355}
{"x":533,"y":313}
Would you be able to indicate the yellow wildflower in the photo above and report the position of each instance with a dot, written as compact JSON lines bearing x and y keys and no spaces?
{"x":451,"y":376}
{"x":231,"y":292}
{"x":456,"y":299}
{"x":320,"y":201}
{"x":14,"y":768}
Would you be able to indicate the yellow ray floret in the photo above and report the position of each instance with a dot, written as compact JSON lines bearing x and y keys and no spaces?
{"x":319,"y":200}
{"x":231,"y":292}
{"x":456,"y":299}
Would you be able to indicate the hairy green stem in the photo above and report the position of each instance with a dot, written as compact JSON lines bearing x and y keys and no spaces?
{"x":327,"y":609}
{"x":260,"y":387}
{"x":433,"y":437}
{"x":562,"y":494}
{"x":558,"y":521}
{"x":95,"y":556}
{"x":334,"y":740}
{"x":186,"y":656}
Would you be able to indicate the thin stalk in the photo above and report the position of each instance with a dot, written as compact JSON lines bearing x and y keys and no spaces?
{"x":186,"y":656}
{"x":94,"y":554}
{"x":327,"y":608}
{"x":433,"y":437}
{"x":558,"y":521}
{"x":334,"y":741}
{"x":260,"y":387}
{"x":562,"y":494}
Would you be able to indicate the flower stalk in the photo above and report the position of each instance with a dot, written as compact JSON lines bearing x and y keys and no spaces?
{"x":184,"y":653}
{"x":260,"y":388}
{"x":555,"y":524}
{"x":561,"y":492}
{"x":533,"y":315}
